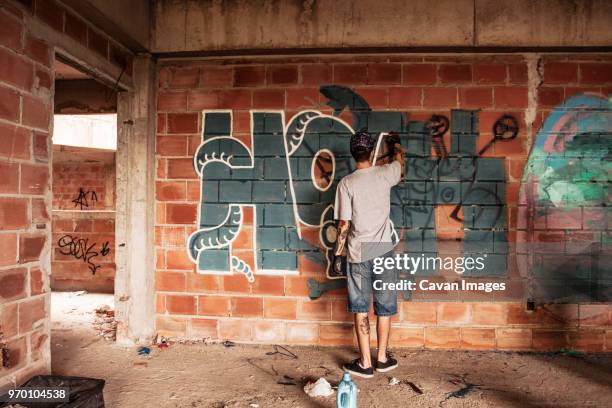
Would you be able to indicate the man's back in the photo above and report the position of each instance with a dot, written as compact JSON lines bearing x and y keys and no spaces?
{"x":363,"y":197}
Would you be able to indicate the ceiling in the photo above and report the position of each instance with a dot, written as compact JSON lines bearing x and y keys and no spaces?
{"x":65,"y":71}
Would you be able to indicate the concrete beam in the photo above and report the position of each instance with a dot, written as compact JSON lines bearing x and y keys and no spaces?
{"x":134,"y":249}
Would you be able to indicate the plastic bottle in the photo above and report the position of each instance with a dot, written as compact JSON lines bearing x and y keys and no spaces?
{"x":347,"y":393}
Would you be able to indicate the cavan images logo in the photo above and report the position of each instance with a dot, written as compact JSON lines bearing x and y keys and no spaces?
{"x":267,"y":200}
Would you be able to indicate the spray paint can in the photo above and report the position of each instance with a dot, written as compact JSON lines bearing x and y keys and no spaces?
{"x":347,"y":393}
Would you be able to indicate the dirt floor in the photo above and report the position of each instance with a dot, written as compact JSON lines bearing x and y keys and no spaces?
{"x":201,"y":375}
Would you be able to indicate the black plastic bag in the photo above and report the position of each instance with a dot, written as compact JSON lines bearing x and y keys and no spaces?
{"x":83,"y":392}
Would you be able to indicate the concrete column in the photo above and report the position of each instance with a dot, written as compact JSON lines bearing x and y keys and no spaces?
{"x":135,"y":253}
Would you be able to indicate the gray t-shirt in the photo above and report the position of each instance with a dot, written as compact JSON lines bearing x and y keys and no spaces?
{"x":364,"y":198}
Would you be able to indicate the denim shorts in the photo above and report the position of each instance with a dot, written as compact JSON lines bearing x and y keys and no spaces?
{"x":360,"y":279}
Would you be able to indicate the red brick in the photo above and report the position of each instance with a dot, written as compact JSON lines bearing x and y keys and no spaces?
{"x":178,"y":259}
{"x":203,"y":99}
{"x":269,"y":332}
{"x":42,"y":81}
{"x":8,"y":255}
{"x":182,"y":123}
{"x":51,"y":13}
{"x":171,"y":326}
{"x":442,"y":338}
{"x":203,"y":328}
{"x":340,"y":311}
{"x":30,"y":247}
{"x":454,"y":313}
{"x":213,"y":306}
{"x":489,"y":73}
{"x":97,"y":42}
{"x":405,"y":97}
{"x":305,"y":333}
{"x":269,"y":98}
{"x":336,"y":335}
{"x":560,"y":73}
{"x":13,"y":284}
{"x":384,"y":74}
{"x":34,"y":179}
{"x":172,"y":101}
{"x":9,"y":177}
{"x":236,"y":283}
{"x":13,"y":213}
{"x":421,"y":313}
{"x":510,"y":97}
{"x":269,"y":285}
{"x":170,"y":281}
{"x":38,"y":342}
{"x":188,"y":77}
{"x":477,"y":98}
{"x":8,"y":319}
{"x":279,"y":308}
{"x":314,"y":310}
{"x":9,"y":109}
{"x":419,"y":74}
{"x":301,"y":98}
{"x":38,"y":50}
{"x":104,"y":225}
{"x":17,"y":352}
{"x":350,"y":74}
{"x":513,"y":339}
{"x":37,"y":282}
{"x":76,"y":28}
{"x":316,"y":74}
{"x":477,"y":339}
{"x":239,"y":330}
{"x":235,"y":99}
{"x":440,"y":97}
{"x":249,"y":76}
{"x":518,"y":73}
{"x":31,"y":313}
{"x":550,"y":97}
{"x":16,"y":70}
{"x":407,"y":337}
{"x":587,"y":340}
{"x":202,"y":283}
{"x":455,"y":73}
{"x":247,"y":307}
{"x":179,"y":304}
{"x":10,"y":32}
{"x":181,"y":169}
{"x":282,"y":75}
{"x":180,"y":213}
{"x":549,"y":340}
{"x":35,"y":113}
{"x":595,"y":315}
{"x":170,"y":190}
{"x":595,"y":73}
{"x":296,"y":285}
{"x":489,"y":314}
{"x":213,"y":76}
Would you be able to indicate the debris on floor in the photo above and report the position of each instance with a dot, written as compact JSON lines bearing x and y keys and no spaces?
{"x":228,"y":343}
{"x":394,"y":381}
{"x":105,"y":323}
{"x":320,"y":388}
{"x":283,"y":351}
{"x":144,"y":351}
{"x":414,"y":387}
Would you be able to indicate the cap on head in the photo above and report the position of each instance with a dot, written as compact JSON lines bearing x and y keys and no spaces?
{"x":361,"y":141}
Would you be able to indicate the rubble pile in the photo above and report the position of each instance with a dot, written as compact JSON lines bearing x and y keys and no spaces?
{"x":105,"y":323}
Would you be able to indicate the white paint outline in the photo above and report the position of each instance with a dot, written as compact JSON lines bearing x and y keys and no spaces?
{"x":312,"y":169}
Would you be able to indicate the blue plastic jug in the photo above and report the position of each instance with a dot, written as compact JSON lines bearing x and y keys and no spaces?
{"x":347,"y":393}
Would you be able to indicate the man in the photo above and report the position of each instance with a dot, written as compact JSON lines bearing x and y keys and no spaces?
{"x":362,"y":208}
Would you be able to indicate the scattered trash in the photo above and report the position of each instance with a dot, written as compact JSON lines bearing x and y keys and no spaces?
{"x":253,"y":405}
{"x":320,"y":388}
{"x":286,"y":380}
{"x":283,"y":352}
{"x":394,"y":381}
{"x":414,"y":387}
{"x":347,"y":392}
{"x":570,"y":353}
{"x":105,"y":323}
{"x":143,"y":351}
{"x":80,"y":293}
{"x":140,"y":363}
{"x":228,"y":343}
{"x":163,"y":344}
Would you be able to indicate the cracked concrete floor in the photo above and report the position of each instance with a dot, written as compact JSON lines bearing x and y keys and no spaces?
{"x":202,"y":375}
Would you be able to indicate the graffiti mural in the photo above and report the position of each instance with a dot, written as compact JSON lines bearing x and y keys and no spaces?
{"x":266,"y":200}
{"x":564,"y":204}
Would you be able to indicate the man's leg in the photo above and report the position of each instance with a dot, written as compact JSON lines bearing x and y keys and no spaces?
{"x":362,"y":328}
{"x":383,"y":326}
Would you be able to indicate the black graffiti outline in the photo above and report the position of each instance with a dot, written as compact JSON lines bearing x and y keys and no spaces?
{"x":79,"y":248}
{"x":81,"y":199}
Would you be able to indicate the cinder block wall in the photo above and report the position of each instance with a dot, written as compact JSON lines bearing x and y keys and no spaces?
{"x":245,"y":97}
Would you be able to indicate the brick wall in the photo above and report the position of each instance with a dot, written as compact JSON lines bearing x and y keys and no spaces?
{"x":206,"y":100}
{"x":81,"y":186}
{"x":83,"y":255}
{"x":25,"y":106}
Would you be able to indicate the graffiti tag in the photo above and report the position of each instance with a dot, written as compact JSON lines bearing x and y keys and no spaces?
{"x":80,"y":248}
{"x":85,"y":198}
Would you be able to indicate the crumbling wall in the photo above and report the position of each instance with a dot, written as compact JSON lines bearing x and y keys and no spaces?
{"x":243,"y":223}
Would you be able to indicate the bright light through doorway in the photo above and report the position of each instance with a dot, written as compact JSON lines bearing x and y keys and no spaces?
{"x":95,"y":131}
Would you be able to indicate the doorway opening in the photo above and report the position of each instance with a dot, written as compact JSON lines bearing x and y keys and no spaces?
{"x":83,"y":210}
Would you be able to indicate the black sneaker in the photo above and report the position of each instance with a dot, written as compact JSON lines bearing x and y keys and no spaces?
{"x":388,"y":365}
{"x":356,"y":369}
